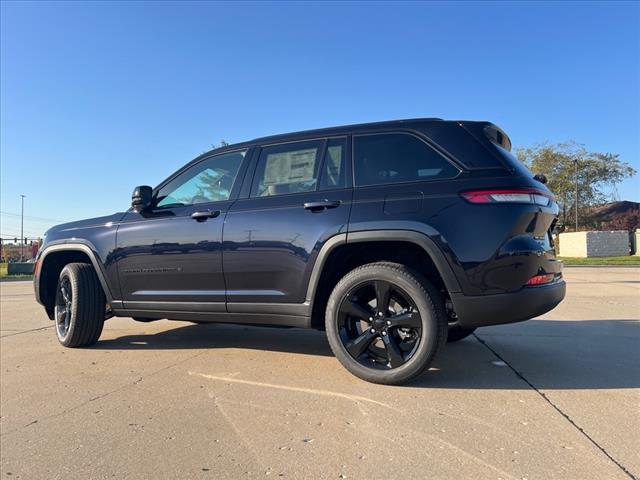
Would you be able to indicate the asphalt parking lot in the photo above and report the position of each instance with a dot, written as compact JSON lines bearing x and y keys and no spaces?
{"x":554,"y":397}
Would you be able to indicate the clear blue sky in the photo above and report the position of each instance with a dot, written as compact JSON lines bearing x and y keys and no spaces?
{"x":99,"y":97}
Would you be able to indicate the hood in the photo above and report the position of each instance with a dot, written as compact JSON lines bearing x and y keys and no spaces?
{"x":75,"y":229}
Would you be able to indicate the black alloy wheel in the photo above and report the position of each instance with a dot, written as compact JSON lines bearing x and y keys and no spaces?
{"x":63,"y":305}
{"x":379,"y":325}
{"x":385,"y":322}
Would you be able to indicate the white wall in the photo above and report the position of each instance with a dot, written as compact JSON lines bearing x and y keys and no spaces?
{"x":594,"y":244}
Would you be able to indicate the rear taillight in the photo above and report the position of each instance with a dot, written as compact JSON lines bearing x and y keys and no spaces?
{"x":508,"y":195}
{"x":541,"y":279}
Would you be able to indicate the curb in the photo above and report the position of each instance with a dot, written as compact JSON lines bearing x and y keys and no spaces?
{"x":601,"y":266}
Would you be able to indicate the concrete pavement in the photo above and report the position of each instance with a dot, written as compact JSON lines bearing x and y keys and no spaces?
{"x":554,"y":397}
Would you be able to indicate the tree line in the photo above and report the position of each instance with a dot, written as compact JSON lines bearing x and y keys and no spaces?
{"x":576,"y":174}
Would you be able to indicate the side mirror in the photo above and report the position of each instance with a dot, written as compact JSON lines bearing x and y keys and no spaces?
{"x":141,"y":197}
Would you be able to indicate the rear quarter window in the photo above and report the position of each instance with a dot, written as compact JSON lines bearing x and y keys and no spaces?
{"x":397,"y":157}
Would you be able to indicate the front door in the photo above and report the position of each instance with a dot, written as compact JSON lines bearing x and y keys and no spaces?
{"x":170,"y":257}
{"x":300,"y":197}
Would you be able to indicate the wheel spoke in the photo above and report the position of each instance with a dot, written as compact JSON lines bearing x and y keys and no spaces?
{"x":393,"y":351}
{"x":60,"y":314}
{"x":353,"y":309}
{"x":383,"y":296}
{"x":357,"y":346}
{"x":408,"y":320}
{"x":65,"y":295}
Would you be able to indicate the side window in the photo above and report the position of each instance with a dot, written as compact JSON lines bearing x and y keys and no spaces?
{"x":333,"y":168}
{"x":290,"y":168}
{"x":210,"y":180}
{"x":397,"y":157}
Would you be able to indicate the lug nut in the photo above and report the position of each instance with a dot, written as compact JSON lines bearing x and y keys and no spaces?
{"x":373,"y":330}
{"x":380,"y":314}
{"x":389,"y":322}
{"x":384,"y":333}
{"x":371,"y":319}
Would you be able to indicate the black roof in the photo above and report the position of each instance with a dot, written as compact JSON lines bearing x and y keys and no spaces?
{"x":339,"y":130}
{"x":344,"y":129}
{"x":446,"y":140}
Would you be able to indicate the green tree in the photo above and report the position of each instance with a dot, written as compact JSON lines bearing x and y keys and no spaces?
{"x":566,"y":164}
{"x":223,"y":143}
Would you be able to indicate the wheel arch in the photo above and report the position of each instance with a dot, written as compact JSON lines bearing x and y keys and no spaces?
{"x":364,"y":244}
{"x":51,"y":262}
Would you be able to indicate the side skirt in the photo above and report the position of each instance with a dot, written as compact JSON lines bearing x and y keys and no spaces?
{"x":263,"y":319}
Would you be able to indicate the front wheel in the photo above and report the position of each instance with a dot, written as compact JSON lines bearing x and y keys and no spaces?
{"x":79,"y":306}
{"x":385,"y":323}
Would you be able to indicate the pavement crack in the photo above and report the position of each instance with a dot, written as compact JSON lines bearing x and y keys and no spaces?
{"x":558,"y":409}
{"x":26,"y":331}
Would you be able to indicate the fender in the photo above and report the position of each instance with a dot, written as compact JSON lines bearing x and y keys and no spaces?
{"x":420,"y":239}
{"x":318,"y":266}
{"x":78,"y":246}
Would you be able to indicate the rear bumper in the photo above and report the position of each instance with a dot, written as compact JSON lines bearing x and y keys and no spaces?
{"x":484,"y":310}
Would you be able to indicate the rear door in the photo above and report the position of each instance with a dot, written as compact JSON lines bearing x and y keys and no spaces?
{"x":300,"y":196}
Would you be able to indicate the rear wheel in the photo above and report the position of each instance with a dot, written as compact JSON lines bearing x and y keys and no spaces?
{"x":79,"y":310}
{"x":385,"y":323}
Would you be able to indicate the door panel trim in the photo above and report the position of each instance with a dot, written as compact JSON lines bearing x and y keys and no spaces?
{"x":208,"y":307}
{"x":203,"y":293}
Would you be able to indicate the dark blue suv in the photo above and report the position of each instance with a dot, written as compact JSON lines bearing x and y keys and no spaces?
{"x":394,"y":237}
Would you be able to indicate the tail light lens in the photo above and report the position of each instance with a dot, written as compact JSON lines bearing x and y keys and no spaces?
{"x":541,"y":279}
{"x":509,"y":195}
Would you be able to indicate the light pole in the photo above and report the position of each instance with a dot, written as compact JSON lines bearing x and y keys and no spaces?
{"x":22,"y":230}
{"x":575,"y":162}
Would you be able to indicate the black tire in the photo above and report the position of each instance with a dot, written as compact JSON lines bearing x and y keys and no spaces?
{"x":457,"y":333}
{"x":417,"y":344}
{"x":79,"y":310}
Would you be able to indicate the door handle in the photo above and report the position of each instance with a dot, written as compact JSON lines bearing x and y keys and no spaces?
{"x":321,"y":205}
{"x":205,"y":215}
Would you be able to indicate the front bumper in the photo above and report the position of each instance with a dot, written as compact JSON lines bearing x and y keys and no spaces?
{"x":485,"y":310}
{"x":36,"y":277}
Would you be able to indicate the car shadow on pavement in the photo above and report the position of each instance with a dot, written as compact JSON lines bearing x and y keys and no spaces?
{"x":219,"y":335}
{"x":585,"y":354}
{"x":545,"y":354}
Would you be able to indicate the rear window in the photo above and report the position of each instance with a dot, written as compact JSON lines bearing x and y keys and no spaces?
{"x":285,"y":169}
{"x":395,"y":158}
{"x":333,"y":169}
{"x":465,"y":141}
